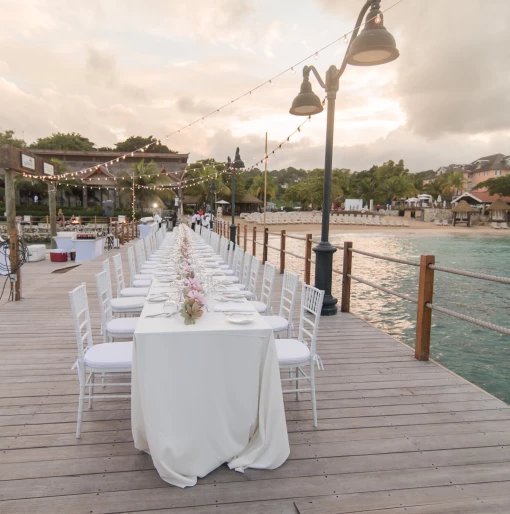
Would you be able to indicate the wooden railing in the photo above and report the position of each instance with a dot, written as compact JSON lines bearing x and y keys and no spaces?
{"x":424,"y":300}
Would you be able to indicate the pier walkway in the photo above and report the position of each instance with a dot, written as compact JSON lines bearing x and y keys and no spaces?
{"x":395,"y":435}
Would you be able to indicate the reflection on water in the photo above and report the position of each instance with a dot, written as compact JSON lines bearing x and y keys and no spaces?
{"x":479,"y":355}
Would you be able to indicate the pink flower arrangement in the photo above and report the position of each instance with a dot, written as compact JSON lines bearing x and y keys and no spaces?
{"x":197,"y":296}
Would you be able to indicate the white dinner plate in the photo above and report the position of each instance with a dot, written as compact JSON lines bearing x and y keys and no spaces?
{"x":233,"y":295}
{"x":240,"y":320}
{"x":158,"y":299}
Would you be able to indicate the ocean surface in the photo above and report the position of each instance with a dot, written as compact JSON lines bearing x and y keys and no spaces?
{"x":479,"y":355}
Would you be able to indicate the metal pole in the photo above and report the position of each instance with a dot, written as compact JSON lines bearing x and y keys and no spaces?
{"x":12,"y":230}
{"x":265,"y":184}
{"x":324,"y":250}
{"x":52,"y":206}
{"x":233,"y":201}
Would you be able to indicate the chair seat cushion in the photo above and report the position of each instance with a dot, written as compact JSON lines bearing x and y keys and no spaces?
{"x":141,"y":283}
{"x":277,"y":323}
{"x":122,"y":326}
{"x":259,"y":306}
{"x":144,"y":276}
{"x":134,"y":291}
{"x":150,"y":264}
{"x":134,"y":303}
{"x":292,"y":352}
{"x":110,"y":355}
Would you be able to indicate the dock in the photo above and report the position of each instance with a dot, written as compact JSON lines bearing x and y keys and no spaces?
{"x":395,"y":435}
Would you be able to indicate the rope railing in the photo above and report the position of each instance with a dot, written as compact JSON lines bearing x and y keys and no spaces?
{"x":470,"y":319}
{"x":384,"y":289}
{"x":295,"y":237}
{"x":385,"y":258}
{"x":286,"y":252}
{"x":482,"y":276}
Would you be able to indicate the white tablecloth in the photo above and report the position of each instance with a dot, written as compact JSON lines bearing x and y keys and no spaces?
{"x":65,"y":243}
{"x":206,"y":394}
{"x":148,"y":230}
{"x":87,"y":249}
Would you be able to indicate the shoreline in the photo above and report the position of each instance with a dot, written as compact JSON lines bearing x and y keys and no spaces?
{"x":421,"y":228}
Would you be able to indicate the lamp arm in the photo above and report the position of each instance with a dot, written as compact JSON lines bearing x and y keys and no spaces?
{"x":306,"y":74}
{"x":362,"y":13}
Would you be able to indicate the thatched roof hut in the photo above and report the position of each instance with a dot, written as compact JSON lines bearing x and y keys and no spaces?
{"x":462,"y":213}
{"x":499,"y":210}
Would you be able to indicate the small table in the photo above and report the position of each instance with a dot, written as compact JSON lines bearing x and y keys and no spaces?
{"x":148,"y":230}
{"x":65,"y":243}
{"x":87,"y":249}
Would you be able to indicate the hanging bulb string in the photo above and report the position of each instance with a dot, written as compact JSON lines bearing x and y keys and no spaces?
{"x":201,"y":119}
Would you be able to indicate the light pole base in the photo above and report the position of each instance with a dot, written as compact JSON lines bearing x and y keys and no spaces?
{"x":324,"y":275}
{"x":233,"y":233}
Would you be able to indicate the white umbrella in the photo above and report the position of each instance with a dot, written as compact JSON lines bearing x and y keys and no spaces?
{"x":412,"y":200}
{"x":439,"y":199}
{"x":222,"y":202}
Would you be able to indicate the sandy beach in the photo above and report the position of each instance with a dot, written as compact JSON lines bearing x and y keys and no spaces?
{"x":415,"y":227}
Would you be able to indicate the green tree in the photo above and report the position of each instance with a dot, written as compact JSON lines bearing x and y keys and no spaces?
{"x":435,"y":187}
{"x":61,"y":141}
{"x":7,"y":138}
{"x":257,"y":187}
{"x":148,"y":178}
{"x":496,"y":186}
{"x":454,"y":182}
{"x":135,"y":142}
{"x":397,"y":187}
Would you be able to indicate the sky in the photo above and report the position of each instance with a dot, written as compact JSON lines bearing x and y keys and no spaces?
{"x":109,"y":69}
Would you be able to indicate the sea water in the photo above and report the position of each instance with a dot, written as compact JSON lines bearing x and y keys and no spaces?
{"x":481,"y":356}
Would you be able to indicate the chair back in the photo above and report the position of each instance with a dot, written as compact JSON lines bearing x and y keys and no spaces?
{"x":267,"y":284}
{"x":238,"y":262}
{"x":254,"y":275}
{"x":132,"y":265}
{"x":148,"y":246}
{"x":289,"y":291}
{"x":140,"y":255}
{"x":104,"y":293}
{"x":246,"y":269}
{"x":224,"y":249}
{"x":81,"y":319}
{"x":310,"y":315}
{"x":119,"y":273}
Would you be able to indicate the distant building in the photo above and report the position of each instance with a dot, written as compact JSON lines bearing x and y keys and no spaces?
{"x":481,"y":169}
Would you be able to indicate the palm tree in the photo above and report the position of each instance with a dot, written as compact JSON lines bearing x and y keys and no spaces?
{"x":435,"y":187}
{"x":257,"y":187}
{"x":454,"y":182}
{"x":398,"y":187}
{"x":147,"y":177}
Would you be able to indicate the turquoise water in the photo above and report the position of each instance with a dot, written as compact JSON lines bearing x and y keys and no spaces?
{"x":479,"y":355}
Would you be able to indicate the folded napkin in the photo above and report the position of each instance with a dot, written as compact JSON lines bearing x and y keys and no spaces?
{"x":234,"y":307}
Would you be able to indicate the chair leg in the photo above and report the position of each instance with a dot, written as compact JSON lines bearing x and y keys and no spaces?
{"x":312,"y":387}
{"x":297,"y":383}
{"x":91,"y":389}
{"x":82,"y":377}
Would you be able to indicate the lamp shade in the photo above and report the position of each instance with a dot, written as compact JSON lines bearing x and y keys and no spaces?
{"x":306,"y":102}
{"x":238,"y":162}
{"x":374,"y":45}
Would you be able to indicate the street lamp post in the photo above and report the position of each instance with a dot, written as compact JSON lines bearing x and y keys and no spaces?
{"x":374,"y":45}
{"x":236,"y":165}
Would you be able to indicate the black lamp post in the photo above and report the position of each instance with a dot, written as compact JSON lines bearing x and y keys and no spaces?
{"x":236,"y":165}
{"x":374,"y":45}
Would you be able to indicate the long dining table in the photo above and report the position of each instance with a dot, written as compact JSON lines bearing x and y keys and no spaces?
{"x":208,"y":393}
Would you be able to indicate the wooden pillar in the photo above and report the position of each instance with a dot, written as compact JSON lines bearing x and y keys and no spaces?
{"x":12,"y":230}
{"x":266,"y":242}
{"x":282,"y":251}
{"x":308,"y":257}
{"x":346,"y":280}
{"x":122,"y":233}
{"x":238,"y":234}
{"x":424,"y":314}
{"x":245,"y":236}
{"x":52,"y":206}
{"x":254,"y":242}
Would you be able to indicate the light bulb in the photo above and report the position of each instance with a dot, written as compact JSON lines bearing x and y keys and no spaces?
{"x":378,"y":19}
{"x":345,"y":39}
{"x":316,"y":55}
{"x":271,"y":83}
{"x":293,"y":70}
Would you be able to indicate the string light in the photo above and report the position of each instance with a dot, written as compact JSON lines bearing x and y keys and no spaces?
{"x":345,"y":39}
{"x":316,"y":55}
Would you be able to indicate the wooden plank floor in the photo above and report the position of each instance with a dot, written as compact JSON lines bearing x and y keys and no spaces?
{"x":395,"y":435}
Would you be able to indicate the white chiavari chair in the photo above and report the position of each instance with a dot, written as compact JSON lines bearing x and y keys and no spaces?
{"x":283,"y":322}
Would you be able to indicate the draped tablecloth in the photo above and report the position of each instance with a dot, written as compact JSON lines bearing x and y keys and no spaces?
{"x":206,"y":394}
{"x":148,"y":229}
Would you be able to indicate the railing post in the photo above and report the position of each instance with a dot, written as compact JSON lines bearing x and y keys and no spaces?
{"x":424,"y":314}
{"x":346,"y":280}
{"x":254,"y":242}
{"x":95,"y":222}
{"x":239,"y":234}
{"x":122,"y":234}
{"x":245,"y":236}
{"x":282,"y":252}
{"x":266,"y":242}
{"x":308,"y":258}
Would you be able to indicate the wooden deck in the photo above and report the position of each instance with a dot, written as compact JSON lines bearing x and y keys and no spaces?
{"x":395,"y":435}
